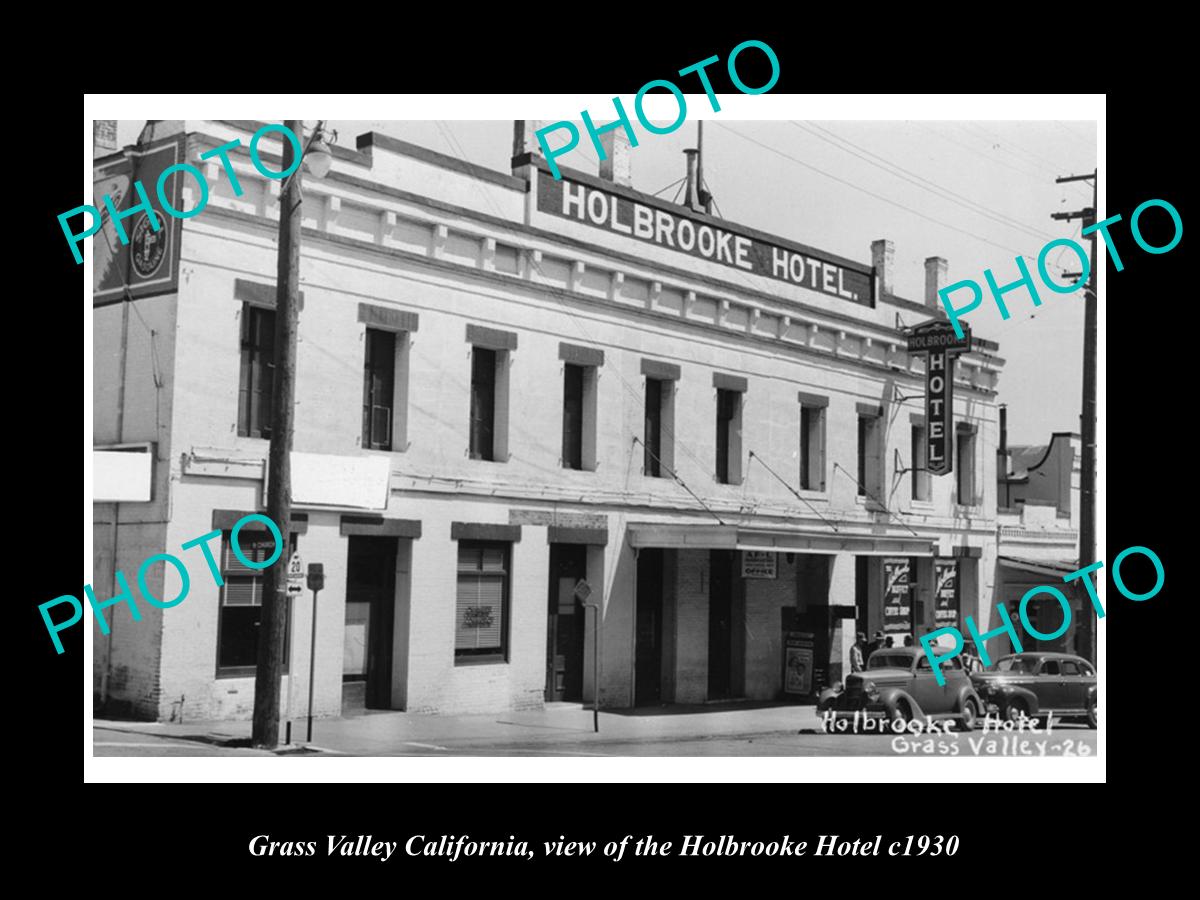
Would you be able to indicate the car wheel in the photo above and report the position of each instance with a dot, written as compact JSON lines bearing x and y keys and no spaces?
{"x":903,"y":712}
{"x":1091,"y":713}
{"x":1016,"y":710}
{"x":969,"y":717}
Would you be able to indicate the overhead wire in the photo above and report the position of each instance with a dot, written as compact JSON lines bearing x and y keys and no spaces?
{"x":877,"y":196}
{"x":1055,"y":168}
{"x":922,"y":182}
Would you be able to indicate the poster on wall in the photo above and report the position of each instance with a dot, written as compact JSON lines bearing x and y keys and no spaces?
{"x":897,"y":596}
{"x":945,"y":594}
{"x":798,"y":660}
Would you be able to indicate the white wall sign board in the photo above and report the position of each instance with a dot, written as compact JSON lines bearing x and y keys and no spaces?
{"x":121,"y":476}
{"x":320,"y":479}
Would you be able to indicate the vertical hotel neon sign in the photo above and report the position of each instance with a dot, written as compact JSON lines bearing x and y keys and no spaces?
{"x":940,"y":344}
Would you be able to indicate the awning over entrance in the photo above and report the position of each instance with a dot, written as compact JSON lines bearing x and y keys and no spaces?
{"x":1049,"y":568}
{"x":734,"y":537}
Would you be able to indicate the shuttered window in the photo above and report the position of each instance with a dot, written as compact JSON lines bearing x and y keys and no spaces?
{"x":258,"y":371}
{"x":241,"y":603}
{"x":481,"y":609}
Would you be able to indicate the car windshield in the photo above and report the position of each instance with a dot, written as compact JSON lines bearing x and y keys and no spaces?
{"x":1015,"y":664}
{"x":889,"y":661}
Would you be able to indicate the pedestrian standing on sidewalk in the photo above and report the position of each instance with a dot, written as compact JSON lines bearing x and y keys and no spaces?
{"x":856,"y":653}
{"x":876,"y":644}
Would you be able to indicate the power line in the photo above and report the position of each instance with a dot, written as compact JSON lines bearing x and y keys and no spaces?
{"x":924,"y":183}
{"x":996,"y":142}
{"x":1089,"y":141}
{"x":887,"y":200}
{"x":977,"y":152}
{"x":1054,"y":167}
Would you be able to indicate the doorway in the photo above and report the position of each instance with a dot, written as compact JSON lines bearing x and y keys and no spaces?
{"x":565,"y":623}
{"x":370,"y":605}
{"x":720,"y":623}
{"x":648,"y":648}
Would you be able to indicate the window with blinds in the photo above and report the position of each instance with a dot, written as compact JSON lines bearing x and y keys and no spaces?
{"x":241,"y":603}
{"x":481,"y":609}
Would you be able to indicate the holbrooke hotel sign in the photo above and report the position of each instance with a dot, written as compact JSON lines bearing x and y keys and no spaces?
{"x":739,"y":250}
{"x":938,"y":341}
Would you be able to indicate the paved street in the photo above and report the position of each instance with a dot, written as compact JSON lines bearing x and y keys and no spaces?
{"x":566,"y":730}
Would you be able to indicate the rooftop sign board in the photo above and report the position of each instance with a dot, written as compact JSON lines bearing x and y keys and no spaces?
{"x":700,"y":236}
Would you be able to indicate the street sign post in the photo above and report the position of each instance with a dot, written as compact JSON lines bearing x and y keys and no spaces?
{"x":316,"y":582}
{"x":295,"y":585}
{"x":940,"y":344}
{"x":295,"y":576}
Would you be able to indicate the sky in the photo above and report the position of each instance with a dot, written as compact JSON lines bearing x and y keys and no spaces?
{"x":975,"y":193}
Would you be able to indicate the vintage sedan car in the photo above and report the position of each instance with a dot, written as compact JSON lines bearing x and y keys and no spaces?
{"x":899,"y":683}
{"x":1026,"y":684}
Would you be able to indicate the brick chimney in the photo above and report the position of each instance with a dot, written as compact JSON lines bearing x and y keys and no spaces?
{"x":883,"y":257}
{"x":615,"y":165}
{"x":935,"y":279}
{"x":524,"y":139}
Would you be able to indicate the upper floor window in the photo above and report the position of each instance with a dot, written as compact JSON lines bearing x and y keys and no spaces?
{"x":385,"y":375}
{"x":659,"y":432}
{"x":379,"y":383}
{"x":729,"y":427}
{"x":921,"y":487}
{"x":870,"y":452}
{"x":965,"y":465}
{"x":581,"y":369}
{"x":812,"y":442}
{"x":490,"y":354}
{"x":483,"y":403}
{"x":258,"y":371}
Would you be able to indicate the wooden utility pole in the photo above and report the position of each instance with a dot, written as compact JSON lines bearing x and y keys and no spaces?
{"x":1087,"y":425}
{"x":268,"y":671}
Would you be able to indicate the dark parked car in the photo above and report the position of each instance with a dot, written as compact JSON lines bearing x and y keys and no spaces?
{"x":1030,"y":683}
{"x":899,"y":683}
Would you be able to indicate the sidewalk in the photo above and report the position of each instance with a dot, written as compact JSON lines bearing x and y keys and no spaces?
{"x":558,"y":724}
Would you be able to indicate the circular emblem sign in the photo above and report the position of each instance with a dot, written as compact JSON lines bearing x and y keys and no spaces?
{"x":148,"y":247}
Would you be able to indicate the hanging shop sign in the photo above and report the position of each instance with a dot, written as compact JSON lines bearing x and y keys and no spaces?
{"x":940,"y":344}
